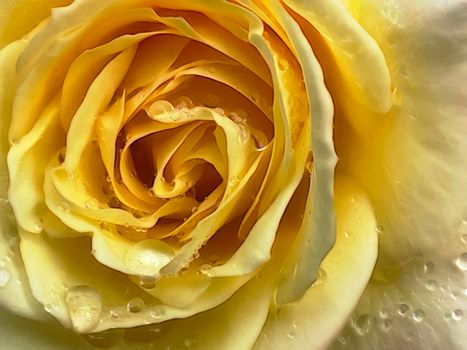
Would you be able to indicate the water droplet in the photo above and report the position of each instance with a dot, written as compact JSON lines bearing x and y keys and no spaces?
{"x":160,"y":107}
{"x":190,"y":342}
{"x":347,"y":234}
{"x":343,"y":340}
{"x":364,"y":324}
{"x":457,"y":315}
{"x":5,"y":277}
{"x":418,"y":315}
{"x":135,"y":305}
{"x":461,"y":262}
{"x":147,"y":282}
{"x":386,"y":325}
{"x":64,"y":207}
{"x":464,"y":238}
{"x":157,"y":312}
{"x":379,"y":229}
{"x":14,"y":141}
{"x":50,"y":307}
{"x":403,"y":309}
{"x":431,"y":285}
{"x":84,"y":306}
{"x":115,"y":314}
{"x":292,"y":332}
{"x":428,"y":267}
{"x":384,"y":313}
{"x":455,"y":295}
{"x":447,"y":316}
{"x":38,"y":227}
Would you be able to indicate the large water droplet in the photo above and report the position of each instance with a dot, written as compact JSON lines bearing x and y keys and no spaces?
{"x":84,"y":306}
{"x":147,"y":257}
{"x":461,"y":262}
{"x":5,"y":277}
{"x":160,"y":107}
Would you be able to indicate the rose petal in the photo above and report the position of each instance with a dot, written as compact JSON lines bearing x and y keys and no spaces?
{"x":14,"y":279}
{"x":415,"y":173}
{"x":314,"y":321}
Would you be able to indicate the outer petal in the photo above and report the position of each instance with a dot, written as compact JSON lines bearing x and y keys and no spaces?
{"x":415,"y":171}
{"x":13,"y":278}
{"x":312,"y":322}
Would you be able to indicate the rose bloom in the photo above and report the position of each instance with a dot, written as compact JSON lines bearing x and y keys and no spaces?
{"x":243,"y":174}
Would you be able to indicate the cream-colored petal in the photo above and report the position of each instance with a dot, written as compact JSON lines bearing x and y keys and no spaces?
{"x":415,"y":174}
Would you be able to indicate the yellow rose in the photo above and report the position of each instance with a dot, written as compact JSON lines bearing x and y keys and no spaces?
{"x":169,"y":181}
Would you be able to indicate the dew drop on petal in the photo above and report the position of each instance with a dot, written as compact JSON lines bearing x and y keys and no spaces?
{"x":457,"y":315}
{"x":364,"y":324}
{"x":147,"y":282}
{"x":403,"y":309}
{"x":292,"y":332}
{"x":431,"y":285}
{"x":428,"y":267}
{"x":5,"y":277}
{"x":135,"y":305}
{"x":386,"y":325}
{"x":384,"y":313}
{"x":115,"y":314}
{"x":50,"y":307}
{"x":84,"y":305}
{"x":419,"y":315}
{"x":156,"y":312}
{"x":461,"y":262}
